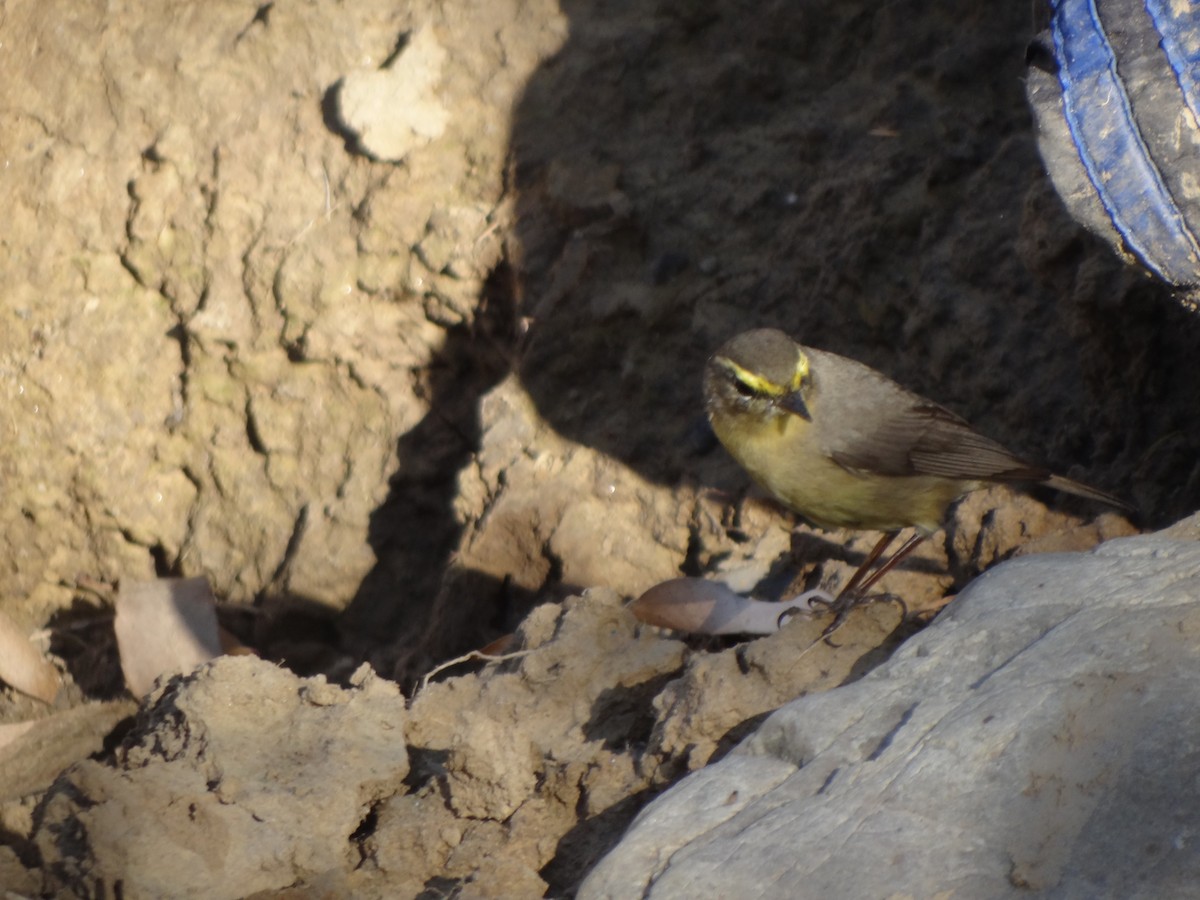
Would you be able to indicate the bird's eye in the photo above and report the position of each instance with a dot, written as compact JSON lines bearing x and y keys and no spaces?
{"x":744,"y":389}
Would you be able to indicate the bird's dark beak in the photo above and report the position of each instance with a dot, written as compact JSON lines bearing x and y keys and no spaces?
{"x":794,"y":403}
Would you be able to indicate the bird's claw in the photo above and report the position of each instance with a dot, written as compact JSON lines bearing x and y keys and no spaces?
{"x":795,"y":606}
{"x":839,"y":606}
{"x":846,"y":601}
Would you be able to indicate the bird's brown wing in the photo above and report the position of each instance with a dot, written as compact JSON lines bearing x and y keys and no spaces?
{"x":951,"y":448}
{"x":883,"y":428}
{"x":878,"y":426}
{"x":919,"y":437}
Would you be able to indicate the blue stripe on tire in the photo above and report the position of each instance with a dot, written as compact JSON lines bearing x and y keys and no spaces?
{"x":1112,"y":151}
{"x":1180,"y":31}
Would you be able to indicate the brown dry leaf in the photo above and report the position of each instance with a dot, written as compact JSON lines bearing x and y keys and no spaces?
{"x":708,"y":607}
{"x":499,"y":646}
{"x":23,"y":666}
{"x":164,"y":627}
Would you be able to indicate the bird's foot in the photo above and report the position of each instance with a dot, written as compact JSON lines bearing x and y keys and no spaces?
{"x":802,"y":604}
{"x":841,"y":606}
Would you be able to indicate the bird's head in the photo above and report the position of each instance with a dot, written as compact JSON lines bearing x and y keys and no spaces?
{"x":761,"y":373}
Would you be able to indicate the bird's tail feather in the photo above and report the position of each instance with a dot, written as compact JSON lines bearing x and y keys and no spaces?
{"x":1058,"y":482}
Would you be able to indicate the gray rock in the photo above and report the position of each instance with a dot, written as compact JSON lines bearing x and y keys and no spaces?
{"x":1043,"y":735}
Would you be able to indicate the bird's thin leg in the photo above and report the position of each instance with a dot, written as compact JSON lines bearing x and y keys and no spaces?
{"x":896,"y":558}
{"x":850,"y":595}
{"x":855,"y":592}
{"x":876,"y":552}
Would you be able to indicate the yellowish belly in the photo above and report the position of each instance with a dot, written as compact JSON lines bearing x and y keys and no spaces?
{"x":813,"y":485}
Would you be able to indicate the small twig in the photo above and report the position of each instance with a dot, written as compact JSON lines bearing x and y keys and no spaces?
{"x":468,"y":657}
{"x":330,"y":206}
{"x":820,"y":639}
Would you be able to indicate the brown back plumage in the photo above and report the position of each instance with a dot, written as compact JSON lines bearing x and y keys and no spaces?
{"x":872,"y":424}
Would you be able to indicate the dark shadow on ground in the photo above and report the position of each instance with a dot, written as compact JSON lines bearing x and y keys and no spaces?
{"x":863,"y":176}
{"x":414,"y":532}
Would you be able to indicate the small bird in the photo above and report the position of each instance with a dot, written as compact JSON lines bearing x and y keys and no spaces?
{"x":846,"y":447}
